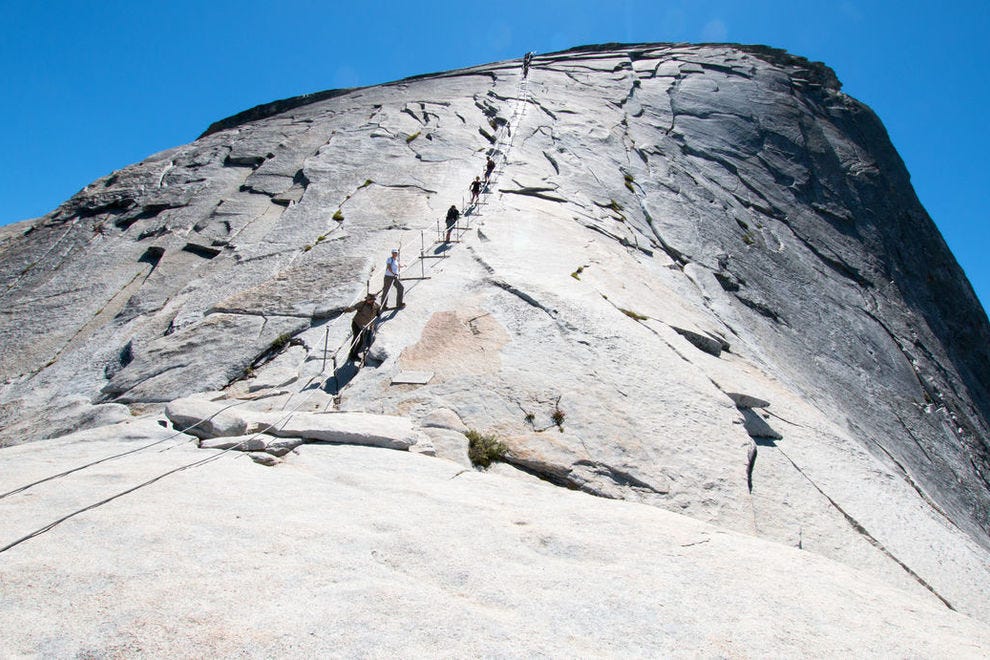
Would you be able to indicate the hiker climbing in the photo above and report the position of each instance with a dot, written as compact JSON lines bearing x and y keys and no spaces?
{"x":452,"y":215}
{"x":475,"y":189}
{"x":362,"y":325}
{"x":392,"y":268}
{"x":489,"y":168}
{"x":527,"y":60}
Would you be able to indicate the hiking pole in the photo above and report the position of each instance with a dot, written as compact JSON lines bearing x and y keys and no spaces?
{"x":326,"y":340}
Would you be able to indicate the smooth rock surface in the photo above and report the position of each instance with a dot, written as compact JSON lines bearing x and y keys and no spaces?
{"x":359,"y":539}
{"x":351,"y":428}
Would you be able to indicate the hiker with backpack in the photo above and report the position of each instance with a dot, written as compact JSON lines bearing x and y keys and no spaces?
{"x":489,"y":168}
{"x":362,"y":325}
{"x":452,"y":215}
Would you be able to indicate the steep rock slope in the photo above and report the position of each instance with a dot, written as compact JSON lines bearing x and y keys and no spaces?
{"x":698,"y":279}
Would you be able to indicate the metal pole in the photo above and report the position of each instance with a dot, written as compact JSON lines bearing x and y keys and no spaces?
{"x":326,"y":340}
{"x":336,"y":383}
{"x":422,"y":251}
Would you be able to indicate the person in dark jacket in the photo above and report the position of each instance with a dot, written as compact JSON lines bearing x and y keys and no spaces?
{"x":475,"y":189}
{"x":452,"y":215}
{"x":362,"y":325}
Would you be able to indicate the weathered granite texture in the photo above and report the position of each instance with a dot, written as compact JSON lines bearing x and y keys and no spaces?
{"x":358,"y":552}
{"x":698,"y":279}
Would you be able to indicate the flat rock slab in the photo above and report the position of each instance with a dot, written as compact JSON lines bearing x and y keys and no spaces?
{"x":352,"y":428}
{"x":747,"y":401}
{"x":412,"y":378}
{"x":229,"y":424}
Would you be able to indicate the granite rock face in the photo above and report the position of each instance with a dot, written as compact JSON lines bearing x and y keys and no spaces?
{"x":353,"y":551}
{"x":698,"y":279}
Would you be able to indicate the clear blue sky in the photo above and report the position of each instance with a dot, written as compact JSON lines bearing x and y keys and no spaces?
{"x":92,"y":86}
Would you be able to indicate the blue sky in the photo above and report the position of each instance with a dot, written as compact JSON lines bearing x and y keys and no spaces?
{"x":92,"y":86}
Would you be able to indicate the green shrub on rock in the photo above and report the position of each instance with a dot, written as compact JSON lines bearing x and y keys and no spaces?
{"x":483,"y":450}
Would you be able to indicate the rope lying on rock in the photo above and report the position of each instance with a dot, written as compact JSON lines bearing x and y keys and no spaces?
{"x":120,"y":455}
{"x":179,"y":432}
{"x":203,"y":461}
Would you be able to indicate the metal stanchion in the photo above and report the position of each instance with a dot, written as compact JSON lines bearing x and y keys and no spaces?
{"x":326,"y":341}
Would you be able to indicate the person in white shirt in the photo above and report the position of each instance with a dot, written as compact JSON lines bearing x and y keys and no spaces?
{"x":392,"y":268}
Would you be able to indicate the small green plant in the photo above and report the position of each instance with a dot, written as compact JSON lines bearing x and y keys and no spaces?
{"x":629,"y":182}
{"x":747,"y":238}
{"x":530,"y":418}
{"x":617,"y":209}
{"x":320,"y":239}
{"x":307,"y":248}
{"x":367,"y":182}
{"x":281,"y":342}
{"x":633,"y":315}
{"x":577,"y":274}
{"x":483,"y":450}
{"x":338,"y":215}
{"x":412,"y":137}
{"x":558,"y":417}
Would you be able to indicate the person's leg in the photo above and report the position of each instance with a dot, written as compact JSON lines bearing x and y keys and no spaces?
{"x":385,"y":287}
{"x":398,"y":293}
{"x":356,"y":341}
{"x":365,"y":342}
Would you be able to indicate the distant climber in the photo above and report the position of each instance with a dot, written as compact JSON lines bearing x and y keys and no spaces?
{"x":452,"y":215}
{"x":392,"y":268}
{"x":362,"y":325}
{"x":526,"y":62}
{"x":489,"y":168}
{"x":475,"y":189}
